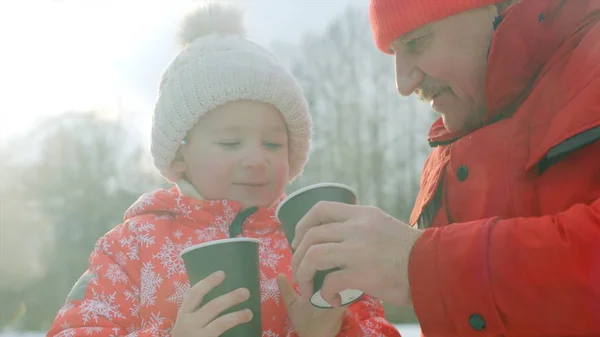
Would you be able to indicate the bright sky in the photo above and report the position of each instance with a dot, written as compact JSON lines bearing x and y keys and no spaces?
{"x":101,"y":54}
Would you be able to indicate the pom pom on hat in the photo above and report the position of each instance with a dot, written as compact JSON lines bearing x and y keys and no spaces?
{"x":217,"y":65}
{"x":212,"y":18}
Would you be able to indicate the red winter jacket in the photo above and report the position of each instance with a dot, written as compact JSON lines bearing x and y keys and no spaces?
{"x":512,"y":209}
{"x":136,"y":282}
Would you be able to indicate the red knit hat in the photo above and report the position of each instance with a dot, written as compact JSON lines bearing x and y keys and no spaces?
{"x":391,"y":19}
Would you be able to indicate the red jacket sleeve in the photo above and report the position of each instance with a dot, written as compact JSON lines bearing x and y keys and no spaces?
{"x":522,"y":276}
{"x":105,"y":300}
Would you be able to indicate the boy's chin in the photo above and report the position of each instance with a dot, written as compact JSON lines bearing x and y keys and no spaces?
{"x":255,"y":203}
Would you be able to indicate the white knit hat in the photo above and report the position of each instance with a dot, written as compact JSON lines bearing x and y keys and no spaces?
{"x":218,"y":65}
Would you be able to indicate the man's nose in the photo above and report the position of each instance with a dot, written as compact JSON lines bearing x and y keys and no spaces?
{"x":408,"y":75}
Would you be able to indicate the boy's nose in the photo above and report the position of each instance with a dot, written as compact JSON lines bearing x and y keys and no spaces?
{"x":255,"y":159}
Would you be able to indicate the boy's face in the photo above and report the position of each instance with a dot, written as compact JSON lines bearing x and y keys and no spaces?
{"x":238,"y":151}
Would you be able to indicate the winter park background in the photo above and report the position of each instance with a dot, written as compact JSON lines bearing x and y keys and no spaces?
{"x":78,"y":83}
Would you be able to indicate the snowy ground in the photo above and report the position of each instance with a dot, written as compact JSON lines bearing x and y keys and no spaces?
{"x":407,"y":330}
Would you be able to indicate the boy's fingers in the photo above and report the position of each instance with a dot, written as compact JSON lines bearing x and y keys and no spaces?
{"x":199,"y":290}
{"x":226,"y":322}
{"x":286,"y":290}
{"x":209,"y":311}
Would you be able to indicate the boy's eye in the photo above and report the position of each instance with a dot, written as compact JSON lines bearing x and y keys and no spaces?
{"x":229,"y":144}
{"x":272,"y":145}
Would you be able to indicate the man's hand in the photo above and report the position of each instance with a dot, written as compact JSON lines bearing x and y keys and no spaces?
{"x":309,"y":321}
{"x":371,"y":248}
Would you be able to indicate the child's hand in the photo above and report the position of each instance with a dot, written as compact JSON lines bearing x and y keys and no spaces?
{"x":309,"y":321}
{"x":194,"y":322}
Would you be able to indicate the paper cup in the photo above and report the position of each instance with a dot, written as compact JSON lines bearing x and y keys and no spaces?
{"x":238,"y":258}
{"x":295,"y":206}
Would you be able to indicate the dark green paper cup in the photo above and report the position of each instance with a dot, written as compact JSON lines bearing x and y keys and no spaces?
{"x":238,"y":258}
{"x":292,"y":209}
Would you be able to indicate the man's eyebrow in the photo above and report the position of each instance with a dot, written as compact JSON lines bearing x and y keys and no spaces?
{"x":410,"y":35}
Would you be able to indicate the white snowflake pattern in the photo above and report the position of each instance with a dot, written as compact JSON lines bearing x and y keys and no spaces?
{"x":95,"y":272}
{"x":161,"y":217}
{"x":66,"y":333}
{"x":115,"y":332}
{"x":182,"y":208}
{"x":210,"y":233}
{"x":100,"y":305}
{"x":178,"y":234}
{"x":133,"y":295}
{"x":145,"y":240}
{"x":142,"y":232}
{"x":131,"y":330}
{"x":121,"y":258}
{"x":139,"y":237}
{"x":370,"y":328}
{"x":269,"y":290}
{"x":223,"y":221}
{"x":92,"y":330}
{"x":153,"y":324}
{"x":150,"y":282}
{"x":267,"y":255}
{"x":263,"y":231}
{"x":269,"y":333}
{"x":129,"y":243}
{"x":289,"y":328}
{"x":115,"y":274}
{"x":281,"y":242}
{"x":142,"y":203}
{"x":102,"y":246}
{"x":181,"y":290}
{"x":169,"y":257}
{"x":371,"y":303}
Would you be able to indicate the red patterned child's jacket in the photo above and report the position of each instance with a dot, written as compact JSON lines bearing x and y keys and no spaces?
{"x":136,"y":282}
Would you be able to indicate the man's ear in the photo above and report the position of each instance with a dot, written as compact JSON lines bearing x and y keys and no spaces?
{"x":178,"y":165}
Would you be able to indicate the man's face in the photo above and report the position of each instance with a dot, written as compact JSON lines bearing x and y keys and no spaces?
{"x":445,"y":63}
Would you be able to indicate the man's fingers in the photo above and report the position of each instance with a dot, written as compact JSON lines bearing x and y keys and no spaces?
{"x":306,"y":289}
{"x":227,"y":321}
{"x":327,"y":233}
{"x":199,"y":290}
{"x":335,"y":301}
{"x":287,"y":291}
{"x":212,"y":309}
{"x":321,"y":213}
{"x":336,"y":282}
{"x":319,"y":257}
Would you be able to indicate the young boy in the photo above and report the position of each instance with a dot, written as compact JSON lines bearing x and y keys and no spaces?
{"x":231,"y":129}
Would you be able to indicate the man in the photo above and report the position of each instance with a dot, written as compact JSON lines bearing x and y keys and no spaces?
{"x":505,"y":236}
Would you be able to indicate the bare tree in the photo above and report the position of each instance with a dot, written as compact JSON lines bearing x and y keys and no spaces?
{"x":366,"y":135}
{"x":69,"y":181}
